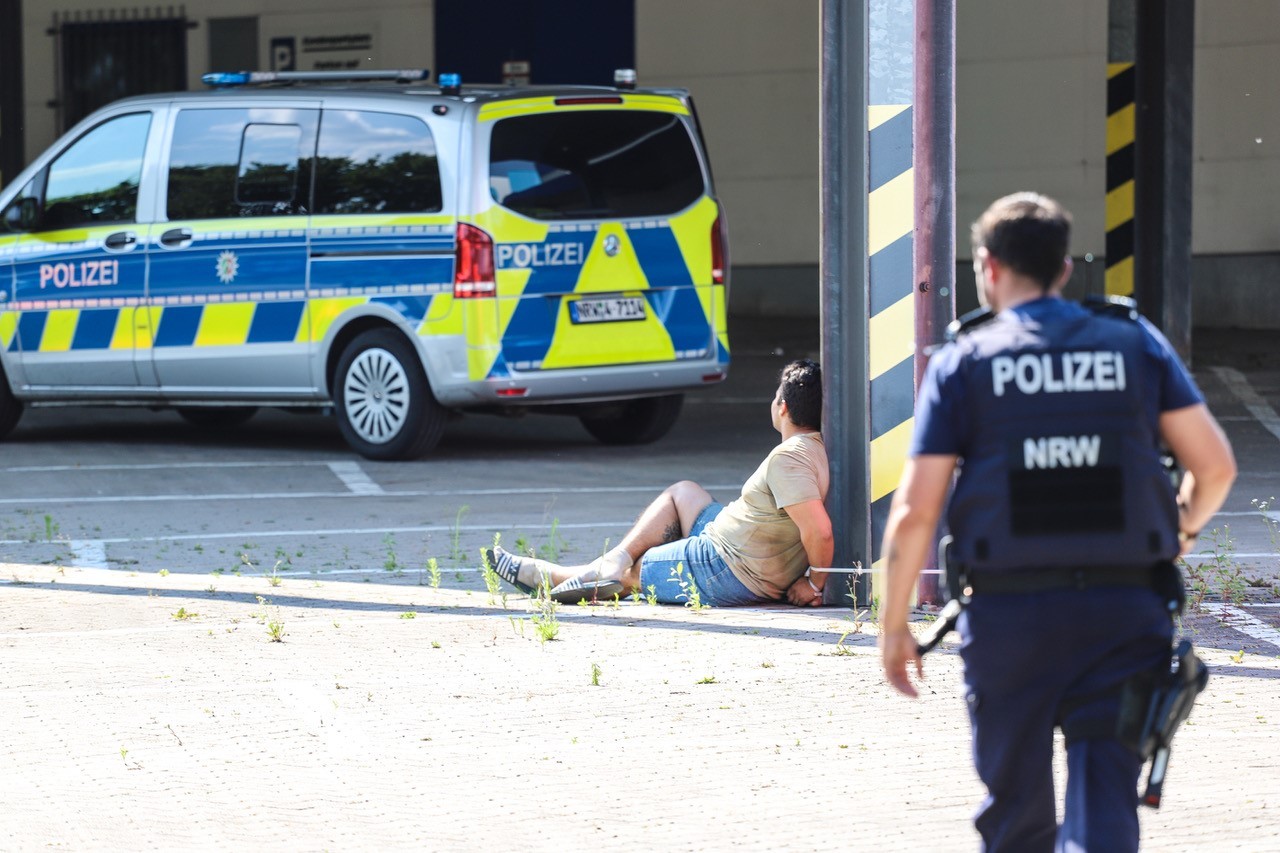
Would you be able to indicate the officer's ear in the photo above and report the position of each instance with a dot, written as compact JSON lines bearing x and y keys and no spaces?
{"x":1063,"y":277}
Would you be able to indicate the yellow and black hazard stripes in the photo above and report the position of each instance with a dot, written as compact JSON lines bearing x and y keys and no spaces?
{"x":1121,"y":114}
{"x":891,"y":304}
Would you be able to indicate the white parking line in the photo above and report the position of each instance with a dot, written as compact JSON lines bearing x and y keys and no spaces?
{"x":1253,"y":401}
{"x":1245,"y":623}
{"x":249,"y":535}
{"x":153,"y":466}
{"x":294,"y":496}
{"x":89,"y":554}
{"x":356,"y":479}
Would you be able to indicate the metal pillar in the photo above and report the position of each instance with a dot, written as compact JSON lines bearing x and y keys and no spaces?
{"x":935,"y":194}
{"x":12,"y":120}
{"x":1162,"y":237}
{"x":843,"y":275}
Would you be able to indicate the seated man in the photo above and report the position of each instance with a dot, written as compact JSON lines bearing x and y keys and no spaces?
{"x":756,"y":549}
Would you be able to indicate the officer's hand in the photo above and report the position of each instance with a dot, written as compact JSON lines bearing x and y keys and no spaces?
{"x":897,"y":647}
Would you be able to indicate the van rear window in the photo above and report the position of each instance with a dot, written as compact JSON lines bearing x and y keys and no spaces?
{"x":594,"y":164}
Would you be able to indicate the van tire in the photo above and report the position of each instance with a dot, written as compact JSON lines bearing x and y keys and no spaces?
{"x":10,"y":406}
{"x":382,"y":399}
{"x":216,"y":417}
{"x":639,"y":421}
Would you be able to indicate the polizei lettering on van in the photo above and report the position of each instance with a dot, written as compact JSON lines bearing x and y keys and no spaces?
{"x":1046,"y":373}
{"x":525,"y":255}
{"x":82,"y":274}
{"x":1061,"y":451}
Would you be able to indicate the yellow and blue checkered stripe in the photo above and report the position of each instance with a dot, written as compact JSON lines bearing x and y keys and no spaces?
{"x":1121,"y":115}
{"x":666,"y":261}
{"x":891,"y":330}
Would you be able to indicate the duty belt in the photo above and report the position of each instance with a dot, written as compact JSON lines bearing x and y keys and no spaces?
{"x":1051,"y":579}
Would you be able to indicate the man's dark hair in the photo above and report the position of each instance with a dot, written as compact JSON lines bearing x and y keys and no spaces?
{"x":800,"y":387}
{"x":1028,"y":232}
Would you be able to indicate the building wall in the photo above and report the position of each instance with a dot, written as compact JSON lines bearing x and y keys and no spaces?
{"x":1030,"y":114}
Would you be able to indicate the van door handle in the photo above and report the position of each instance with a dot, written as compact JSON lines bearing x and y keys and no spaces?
{"x":120,"y":240}
{"x":176,"y":237}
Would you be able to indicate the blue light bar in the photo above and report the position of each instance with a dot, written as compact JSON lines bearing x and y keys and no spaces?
{"x":244,"y":78}
{"x":226,"y":78}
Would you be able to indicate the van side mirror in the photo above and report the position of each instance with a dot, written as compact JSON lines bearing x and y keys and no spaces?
{"x":23,"y":214}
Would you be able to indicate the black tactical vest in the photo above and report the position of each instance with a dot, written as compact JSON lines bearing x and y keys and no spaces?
{"x":1063,"y":467}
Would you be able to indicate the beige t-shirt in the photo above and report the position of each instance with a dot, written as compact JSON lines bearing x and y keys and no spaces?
{"x":754,"y":534}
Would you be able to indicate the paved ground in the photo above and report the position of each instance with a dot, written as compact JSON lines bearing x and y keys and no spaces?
{"x":142,"y":709}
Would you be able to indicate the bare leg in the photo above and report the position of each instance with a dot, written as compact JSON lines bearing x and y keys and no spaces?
{"x":669,"y":517}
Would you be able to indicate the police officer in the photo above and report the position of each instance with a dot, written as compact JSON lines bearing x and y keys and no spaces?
{"x":1065,"y":523}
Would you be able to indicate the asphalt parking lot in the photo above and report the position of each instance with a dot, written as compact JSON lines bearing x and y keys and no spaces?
{"x":146,"y":569}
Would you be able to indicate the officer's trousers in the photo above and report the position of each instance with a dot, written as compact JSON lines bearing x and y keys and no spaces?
{"x":1025,"y":655}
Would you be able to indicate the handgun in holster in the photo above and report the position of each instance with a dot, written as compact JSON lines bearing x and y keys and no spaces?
{"x":957,"y":597}
{"x":1154,"y":705}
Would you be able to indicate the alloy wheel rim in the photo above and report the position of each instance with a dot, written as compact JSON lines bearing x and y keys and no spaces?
{"x":376,"y":396}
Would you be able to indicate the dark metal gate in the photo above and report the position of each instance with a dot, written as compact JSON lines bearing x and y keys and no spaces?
{"x":102,"y":56}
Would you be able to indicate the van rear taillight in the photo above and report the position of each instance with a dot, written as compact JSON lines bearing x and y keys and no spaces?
{"x":717,"y":250}
{"x":473,"y":271}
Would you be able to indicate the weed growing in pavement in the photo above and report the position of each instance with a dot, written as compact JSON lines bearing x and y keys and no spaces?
{"x":274,"y":577}
{"x":544,"y":612}
{"x":492,"y":582}
{"x":275,"y":629}
{"x":409,"y":614}
{"x":707,"y":679}
{"x":652,"y":596}
{"x":595,"y":674}
{"x":435,"y":644}
{"x":433,"y":571}
{"x":1220,"y":571}
{"x":164,"y":573}
{"x":1273,"y":526}
{"x":51,"y":528}
{"x":391,"y":563}
{"x":690,"y":593}
{"x":455,"y":535}
{"x":555,"y":545}
{"x":123,"y":753}
{"x":1238,"y":657}
{"x":183,"y":614}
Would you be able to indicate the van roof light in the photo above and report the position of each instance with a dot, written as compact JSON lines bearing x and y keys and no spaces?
{"x":224,"y":79}
{"x":451,"y":84}
{"x":624,"y":78}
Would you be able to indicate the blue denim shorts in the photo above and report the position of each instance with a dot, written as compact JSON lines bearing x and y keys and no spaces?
{"x":671,"y":568}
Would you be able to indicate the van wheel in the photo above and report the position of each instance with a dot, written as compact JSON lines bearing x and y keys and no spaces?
{"x":636,"y":421}
{"x":383,"y":401}
{"x":210,"y":417}
{"x":10,"y":407}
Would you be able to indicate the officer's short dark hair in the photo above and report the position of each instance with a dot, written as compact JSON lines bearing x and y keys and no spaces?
{"x":800,"y":387}
{"x":1028,"y":232}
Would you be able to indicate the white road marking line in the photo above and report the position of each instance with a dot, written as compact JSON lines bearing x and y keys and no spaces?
{"x":1253,"y":401}
{"x":347,"y":531}
{"x":154,"y":466}
{"x":1245,"y":623}
{"x":294,"y":496}
{"x":356,"y":479}
{"x":1202,"y":556}
{"x":89,"y":554}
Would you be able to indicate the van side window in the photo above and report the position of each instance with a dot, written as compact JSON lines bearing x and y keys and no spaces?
{"x":241,"y":162}
{"x":370,"y":162}
{"x":96,"y":179}
{"x":594,"y":164}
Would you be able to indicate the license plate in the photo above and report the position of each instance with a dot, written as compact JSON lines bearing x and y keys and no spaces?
{"x":607,"y":310}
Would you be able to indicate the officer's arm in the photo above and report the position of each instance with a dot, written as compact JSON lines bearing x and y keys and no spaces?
{"x":1202,"y":449}
{"x":908,"y":536}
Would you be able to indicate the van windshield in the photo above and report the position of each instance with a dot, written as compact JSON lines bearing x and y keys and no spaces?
{"x":594,"y":164}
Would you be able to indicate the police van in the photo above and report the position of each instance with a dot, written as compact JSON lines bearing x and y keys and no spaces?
{"x":390,"y":249}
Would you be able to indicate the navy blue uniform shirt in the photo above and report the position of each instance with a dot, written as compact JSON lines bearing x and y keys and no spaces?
{"x":940,"y":423}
